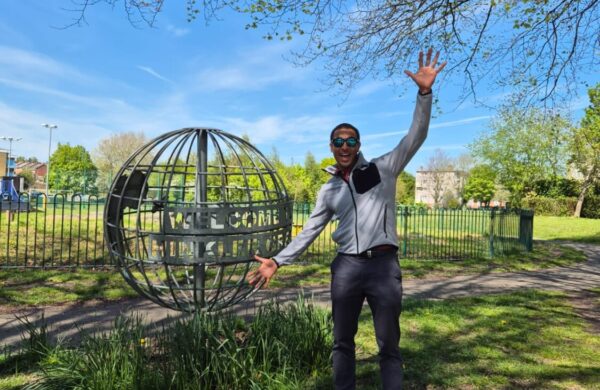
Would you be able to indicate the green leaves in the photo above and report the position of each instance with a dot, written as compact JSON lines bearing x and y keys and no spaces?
{"x":524,"y":146}
{"x":72,"y":170}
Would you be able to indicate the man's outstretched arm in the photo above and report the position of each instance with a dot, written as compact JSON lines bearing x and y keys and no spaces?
{"x":397,"y":159}
{"x":317,"y":221}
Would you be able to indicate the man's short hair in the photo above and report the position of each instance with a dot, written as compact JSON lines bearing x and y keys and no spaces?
{"x":344,"y":126}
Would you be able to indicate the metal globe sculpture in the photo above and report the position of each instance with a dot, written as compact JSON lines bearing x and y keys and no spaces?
{"x":186,"y":214}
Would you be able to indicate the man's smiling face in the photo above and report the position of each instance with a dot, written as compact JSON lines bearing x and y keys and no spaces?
{"x":344,"y":155}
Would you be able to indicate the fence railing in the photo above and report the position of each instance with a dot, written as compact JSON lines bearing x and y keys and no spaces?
{"x":63,"y":231}
{"x":55,"y":231}
{"x":440,"y":234}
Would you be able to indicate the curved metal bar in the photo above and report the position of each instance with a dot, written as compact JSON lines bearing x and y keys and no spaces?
{"x":195,"y":255}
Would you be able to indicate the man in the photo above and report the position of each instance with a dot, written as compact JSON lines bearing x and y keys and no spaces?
{"x":362,"y":196}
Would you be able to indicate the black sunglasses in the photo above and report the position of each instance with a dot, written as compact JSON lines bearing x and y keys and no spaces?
{"x":339,"y":142}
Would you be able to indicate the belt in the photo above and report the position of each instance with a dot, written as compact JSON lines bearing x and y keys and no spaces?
{"x":376,"y":251}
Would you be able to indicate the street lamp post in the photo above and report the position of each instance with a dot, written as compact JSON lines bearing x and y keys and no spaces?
{"x":10,"y":141}
{"x":49,"y":127}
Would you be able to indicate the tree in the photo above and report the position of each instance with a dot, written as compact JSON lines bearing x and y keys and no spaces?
{"x":463,"y":164}
{"x":524,"y":146}
{"x":28,"y":159}
{"x":112,"y":152}
{"x":405,"y":188}
{"x":439,"y":166}
{"x":541,"y":48}
{"x":585,"y":147}
{"x":313,"y":176}
{"x":72,"y":170}
{"x":480,"y":185}
{"x":28,"y":179}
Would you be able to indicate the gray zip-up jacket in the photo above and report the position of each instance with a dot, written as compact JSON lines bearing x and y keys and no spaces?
{"x":365,"y":205}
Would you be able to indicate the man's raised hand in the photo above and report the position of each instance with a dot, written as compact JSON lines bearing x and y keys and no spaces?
{"x":425,"y":76}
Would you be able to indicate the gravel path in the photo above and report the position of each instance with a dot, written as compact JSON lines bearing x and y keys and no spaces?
{"x":66,"y":321}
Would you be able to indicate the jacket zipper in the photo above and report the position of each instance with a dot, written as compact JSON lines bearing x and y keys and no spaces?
{"x":385,"y":221}
{"x":355,"y":214}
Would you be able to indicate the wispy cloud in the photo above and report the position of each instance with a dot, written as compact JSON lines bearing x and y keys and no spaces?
{"x":252,"y":70}
{"x":295,"y":130}
{"x":368,"y":88}
{"x":154,"y":73}
{"x":578,"y":103}
{"x":383,"y":135}
{"x":433,"y":126}
{"x":57,"y":93}
{"x":444,"y":147}
{"x":390,"y":114}
{"x":177,"y":31}
{"x":16,"y":63}
{"x":459,"y":122}
{"x":240,"y":78}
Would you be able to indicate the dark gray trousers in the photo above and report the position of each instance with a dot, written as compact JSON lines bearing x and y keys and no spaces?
{"x":379,"y":280}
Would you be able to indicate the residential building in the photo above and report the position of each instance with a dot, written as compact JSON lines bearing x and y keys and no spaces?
{"x":3,"y":163}
{"x":440,"y":187}
{"x":36,"y":169}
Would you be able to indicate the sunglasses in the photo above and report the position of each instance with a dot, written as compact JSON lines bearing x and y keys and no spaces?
{"x":339,"y":142}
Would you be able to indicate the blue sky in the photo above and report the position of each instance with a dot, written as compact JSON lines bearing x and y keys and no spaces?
{"x":108,"y":77}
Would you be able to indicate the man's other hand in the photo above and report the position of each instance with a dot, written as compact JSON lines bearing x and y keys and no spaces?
{"x":262,"y":276}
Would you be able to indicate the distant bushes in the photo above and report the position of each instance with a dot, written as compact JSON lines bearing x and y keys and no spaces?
{"x":591,"y":207}
{"x":560,"y":207}
{"x":563,"y":206}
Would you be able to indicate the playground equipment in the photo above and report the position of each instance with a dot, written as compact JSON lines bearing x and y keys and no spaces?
{"x":8,"y":189}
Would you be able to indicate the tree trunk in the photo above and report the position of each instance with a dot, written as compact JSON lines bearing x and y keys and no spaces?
{"x":586,"y":184}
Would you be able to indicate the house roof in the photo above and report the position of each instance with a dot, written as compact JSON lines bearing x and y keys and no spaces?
{"x":30,"y":166}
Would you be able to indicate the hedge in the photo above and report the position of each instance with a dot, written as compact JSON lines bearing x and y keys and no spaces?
{"x":591,"y":207}
{"x":542,"y":205}
{"x":563,"y":206}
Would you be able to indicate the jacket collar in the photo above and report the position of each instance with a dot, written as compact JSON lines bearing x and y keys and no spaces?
{"x":335,"y":171}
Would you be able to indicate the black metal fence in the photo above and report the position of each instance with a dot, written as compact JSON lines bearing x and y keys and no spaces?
{"x":440,"y":234}
{"x":62,"y":231}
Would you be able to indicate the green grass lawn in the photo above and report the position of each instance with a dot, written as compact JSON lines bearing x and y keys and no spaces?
{"x":544,"y":255}
{"x":39,"y":287}
{"x":529,"y":339}
{"x":566,"y":228}
{"x":46,"y":287}
{"x":526,"y":339}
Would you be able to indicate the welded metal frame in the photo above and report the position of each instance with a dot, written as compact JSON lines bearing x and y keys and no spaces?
{"x":187,"y":212}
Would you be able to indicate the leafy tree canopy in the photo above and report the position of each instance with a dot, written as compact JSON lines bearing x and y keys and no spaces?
{"x":481,"y":185}
{"x":524,"y":146}
{"x":112,"y":152}
{"x":585,"y":146}
{"x":540,"y":48}
{"x":72,"y":170}
{"x":405,"y":188}
{"x":26,"y":159}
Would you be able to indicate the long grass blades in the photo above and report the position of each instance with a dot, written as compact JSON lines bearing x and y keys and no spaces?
{"x":281,"y":347}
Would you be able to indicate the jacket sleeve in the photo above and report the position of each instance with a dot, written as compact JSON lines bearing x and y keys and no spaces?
{"x":317,"y":221}
{"x":396,"y":160}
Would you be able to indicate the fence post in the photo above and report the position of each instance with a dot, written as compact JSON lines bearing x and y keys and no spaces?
{"x":526,"y":229}
{"x":492,"y":222}
{"x":405,"y":214}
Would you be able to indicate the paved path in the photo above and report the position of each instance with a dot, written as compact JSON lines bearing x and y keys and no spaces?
{"x":66,"y":321}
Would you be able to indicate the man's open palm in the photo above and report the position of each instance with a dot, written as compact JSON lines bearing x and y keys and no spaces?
{"x":425,"y":76}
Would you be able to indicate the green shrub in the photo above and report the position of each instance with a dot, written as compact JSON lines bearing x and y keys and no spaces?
{"x":557,"y":187}
{"x":591,"y":207}
{"x":559,"y":207}
{"x":563,"y":206}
